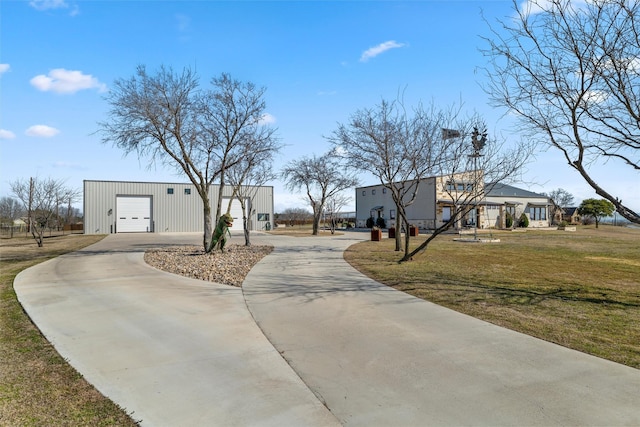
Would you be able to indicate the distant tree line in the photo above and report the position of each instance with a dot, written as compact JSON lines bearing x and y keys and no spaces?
{"x":43,"y":204}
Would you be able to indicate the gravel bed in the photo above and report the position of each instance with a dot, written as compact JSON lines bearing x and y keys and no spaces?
{"x":228,"y":268}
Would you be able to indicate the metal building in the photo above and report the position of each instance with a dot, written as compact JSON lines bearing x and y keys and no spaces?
{"x":159,"y":207}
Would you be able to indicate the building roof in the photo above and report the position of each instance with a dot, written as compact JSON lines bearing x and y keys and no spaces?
{"x":570,"y":211}
{"x":504,"y":190}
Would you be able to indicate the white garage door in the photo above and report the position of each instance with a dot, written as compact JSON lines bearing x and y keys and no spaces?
{"x":134,"y":214}
{"x":236,"y":212}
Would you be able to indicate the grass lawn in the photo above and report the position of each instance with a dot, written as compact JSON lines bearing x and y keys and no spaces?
{"x":37,"y":386}
{"x":578,"y":289}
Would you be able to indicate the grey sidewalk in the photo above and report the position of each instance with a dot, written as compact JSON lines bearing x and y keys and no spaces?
{"x":379,"y":357}
{"x":180,"y":352}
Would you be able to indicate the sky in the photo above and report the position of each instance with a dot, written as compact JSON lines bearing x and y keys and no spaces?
{"x":320,"y":62}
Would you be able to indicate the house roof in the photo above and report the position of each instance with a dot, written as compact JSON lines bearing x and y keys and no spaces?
{"x":569,"y":211}
{"x":504,"y":190}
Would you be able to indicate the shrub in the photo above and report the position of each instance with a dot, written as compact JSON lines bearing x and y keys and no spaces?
{"x":370,"y":222}
{"x":508,"y":220}
{"x":523,"y":221}
{"x":380,"y":222}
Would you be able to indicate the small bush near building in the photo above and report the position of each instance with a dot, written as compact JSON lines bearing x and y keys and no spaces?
{"x":523,"y":221}
{"x":370,"y":222}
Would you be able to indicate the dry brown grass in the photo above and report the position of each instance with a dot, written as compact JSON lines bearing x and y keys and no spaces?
{"x":580,"y":290}
{"x":37,"y":386}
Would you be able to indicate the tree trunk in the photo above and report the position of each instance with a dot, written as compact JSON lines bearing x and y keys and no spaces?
{"x":398,"y":232}
{"x":208,"y":229}
{"x":245,"y":226}
{"x":316,"y":223}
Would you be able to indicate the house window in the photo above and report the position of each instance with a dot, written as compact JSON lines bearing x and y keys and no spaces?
{"x":187,"y":191}
{"x":384,"y":191}
{"x":364,"y":192}
{"x":538,"y":213}
{"x":373,"y":192}
{"x":169,"y":190}
{"x":446,"y":213}
{"x":263,"y":217}
{"x":392,"y":214}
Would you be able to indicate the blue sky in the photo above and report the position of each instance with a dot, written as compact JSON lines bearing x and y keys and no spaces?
{"x":320,"y":61}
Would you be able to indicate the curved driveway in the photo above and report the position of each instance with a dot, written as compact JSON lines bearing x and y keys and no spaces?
{"x":170,"y":350}
{"x":177,"y":351}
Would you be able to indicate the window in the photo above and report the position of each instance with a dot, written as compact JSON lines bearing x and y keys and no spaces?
{"x":187,"y":191}
{"x":364,"y":192}
{"x":538,"y":213}
{"x":384,"y":191}
{"x":263,"y":217}
{"x":373,"y":192}
{"x":446,"y":213}
{"x":169,"y":190}
{"x":392,"y":214}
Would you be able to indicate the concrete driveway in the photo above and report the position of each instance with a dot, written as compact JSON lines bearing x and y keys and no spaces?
{"x":170,"y":350}
{"x":177,"y":351}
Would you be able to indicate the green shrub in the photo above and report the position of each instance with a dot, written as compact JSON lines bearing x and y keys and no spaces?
{"x":508,"y":220}
{"x":523,"y":221}
{"x":380,"y":222}
{"x":370,"y":222}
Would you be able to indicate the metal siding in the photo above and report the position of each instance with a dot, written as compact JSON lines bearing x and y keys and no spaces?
{"x":170,"y":213}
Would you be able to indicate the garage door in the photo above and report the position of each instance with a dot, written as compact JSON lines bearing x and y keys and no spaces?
{"x":134,"y":214}
{"x":236,"y":212}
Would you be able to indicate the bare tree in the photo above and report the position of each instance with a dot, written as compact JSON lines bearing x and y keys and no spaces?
{"x":10,"y":210}
{"x":471,"y":165}
{"x":561,"y":199}
{"x":200,"y":133}
{"x":247,"y":175}
{"x":295,"y":215}
{"x":41,"y":198}
{"x":321,"y":178}
{"x":332,"y":209}
{"x":569,"y":72}
{"x":398,"y":147}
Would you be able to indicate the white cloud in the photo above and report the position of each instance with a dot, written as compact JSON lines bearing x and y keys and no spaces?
{"x":267,"y":119}
{"x":48,"y":4}
{"x":533,"y":7}
{"x":4,"y":68}
{"x":60,"y":80}
{"x":372,"y":52}
{"x":42,"y":131}
{"x":6,"y":134}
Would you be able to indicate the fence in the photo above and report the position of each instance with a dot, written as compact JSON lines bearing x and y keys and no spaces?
{"x":9,"y":231}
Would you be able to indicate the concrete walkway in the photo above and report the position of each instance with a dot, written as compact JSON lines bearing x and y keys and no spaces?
{"x":171,"y":351}
{"x":182,"y":352}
